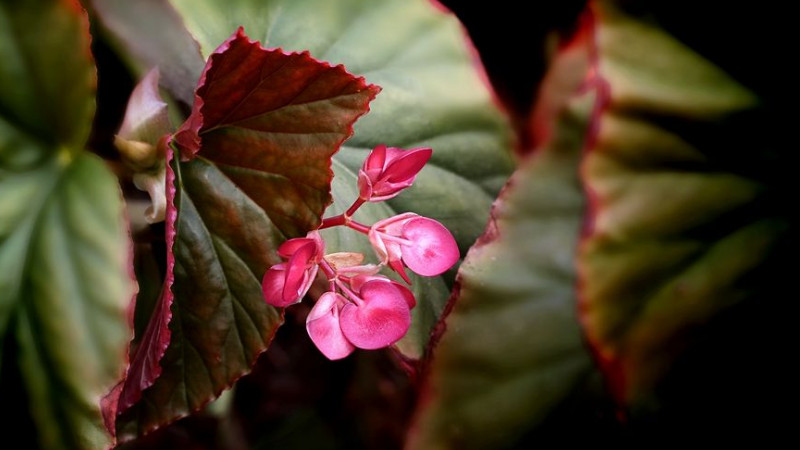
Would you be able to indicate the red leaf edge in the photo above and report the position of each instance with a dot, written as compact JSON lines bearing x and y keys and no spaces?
{"x":143,"y":367}
{"x":188,"y":137}
{"x":614,"y":374}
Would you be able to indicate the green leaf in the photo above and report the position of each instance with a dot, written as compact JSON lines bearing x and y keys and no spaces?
{"x":71,"y":293}
{"x":432,"y":96}
{"x":220,"y":322}
{"x":683,"y":222}
{"x":64,"y":281}
{"x":47,"y":79}
{"x":154,"y":35}
{"x":511,"y":349}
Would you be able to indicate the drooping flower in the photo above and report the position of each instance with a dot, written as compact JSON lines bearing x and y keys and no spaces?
{"x":374,"y":314}
{"x":286,"y":283}
{"x":423,"y":245}
{"x":387,"y":171}
{"x":322,"y":325}
{"x":378,"y":315}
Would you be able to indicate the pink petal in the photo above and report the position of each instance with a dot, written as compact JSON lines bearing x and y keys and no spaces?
{"x":388,"y":251}
{"x":434,"y":249}
{"x":378,"y":244}
{"x":384,"y":190}
{"x":358,"y":281}
{"x":272,"y":285}
{"x":406,"y":167}
{"x":299,"y":275}
{"x":364,"y":185}
{"x":398,"y":267}
{"x":290,"y":247}
{"x":394,"y":225}
{"x":322,"y":325}
{"x":380,"y":320}
{"x":376,"y":159}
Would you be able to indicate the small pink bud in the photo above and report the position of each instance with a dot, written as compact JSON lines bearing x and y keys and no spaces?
{"x":387,"y":171}
{"x":379,"y":318}
{"x":323,"y":327}
{"x":424,"y":245}
{"x":285,"y":284}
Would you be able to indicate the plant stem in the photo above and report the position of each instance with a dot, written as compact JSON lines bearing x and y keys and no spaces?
{"x":352,"y":209}
{"x":360,"y":227}
{"x":333,"y":221}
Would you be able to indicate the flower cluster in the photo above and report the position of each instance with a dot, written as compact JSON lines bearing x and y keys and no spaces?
{"x":363,"y":309}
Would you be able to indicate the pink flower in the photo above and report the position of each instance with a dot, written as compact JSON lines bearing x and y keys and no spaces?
{"x":322,"y":325}
{"x":387,"y":171}
{"x":378,"y":316}
{"x":286,"y":283}
{"x":375,"y":314}
{"x":424,"y":245}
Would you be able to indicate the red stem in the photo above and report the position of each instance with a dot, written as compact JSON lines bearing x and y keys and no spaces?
{"x":360,"y":227}
{"x":329,"y":272}
{"x":352,"y":209}
{"x":333,"y":221}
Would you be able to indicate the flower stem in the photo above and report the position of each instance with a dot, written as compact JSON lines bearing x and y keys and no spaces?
{"x":333,"y":221}
{"x":327,"y":269}
{"x":344,"y":219}
{"x":352,"y":209}
{"x":360,"y":227}
{"x":349,"y":294}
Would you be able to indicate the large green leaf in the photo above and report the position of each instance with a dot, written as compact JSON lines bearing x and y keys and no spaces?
{"x":432,"y":96}
{"x":511,"y":349}
{"x":64,"y":282}
{"x":72,"y":292}
{"x":683,"y":219}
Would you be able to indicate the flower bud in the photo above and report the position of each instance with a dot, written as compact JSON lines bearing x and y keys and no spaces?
{"x":387,"y":171}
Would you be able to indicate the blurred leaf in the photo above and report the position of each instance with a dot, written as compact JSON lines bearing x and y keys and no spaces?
{"x":36,"y":38}
{"x":265,"y":124}
{"x":71,"y":294}
{"x":511,"y":349}
{"x":683,"y":223}
{"x":432,"y":96}
{"x":64,"y":281}
{"x":154,"y":35}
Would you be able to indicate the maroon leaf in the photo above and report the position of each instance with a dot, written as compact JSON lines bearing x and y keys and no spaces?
{"x":253,"y":105}
{"x":255,"y":166}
